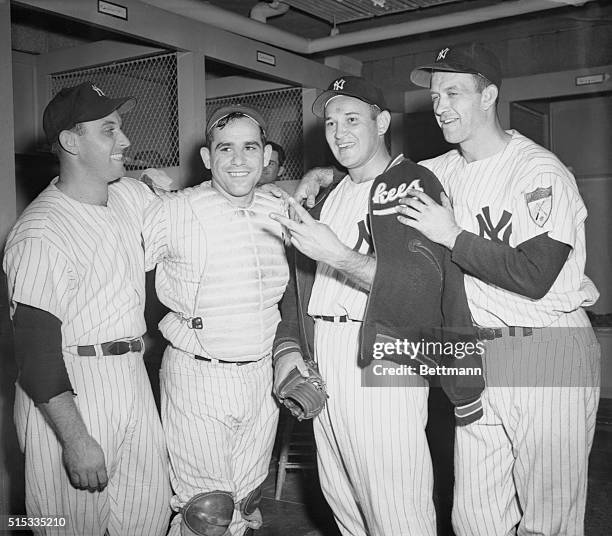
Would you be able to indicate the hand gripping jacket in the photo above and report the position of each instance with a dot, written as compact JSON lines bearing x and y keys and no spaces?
{"x":417,"y":293}
{"x":304,"y":397}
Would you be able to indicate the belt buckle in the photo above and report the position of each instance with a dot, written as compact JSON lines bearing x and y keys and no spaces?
{"x":195,"y":323}
{"x":135,"y":345}
{"x":487,"y":334}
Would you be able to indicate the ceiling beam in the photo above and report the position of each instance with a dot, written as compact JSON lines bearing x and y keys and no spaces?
{"x":232,"y":22}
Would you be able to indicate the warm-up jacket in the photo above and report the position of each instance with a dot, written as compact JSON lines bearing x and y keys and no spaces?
{"x":417,"y":294}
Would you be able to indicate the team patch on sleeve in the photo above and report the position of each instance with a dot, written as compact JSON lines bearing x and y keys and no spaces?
{"x":539,"y":203}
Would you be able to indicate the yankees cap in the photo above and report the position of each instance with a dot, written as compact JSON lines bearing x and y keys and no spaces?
{"x":350,"y":86}
{"x":468,"y":58}
{"x":78,"y":104}
{"x":251,"y":113}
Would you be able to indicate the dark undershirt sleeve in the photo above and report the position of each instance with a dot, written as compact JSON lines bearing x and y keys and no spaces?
{"x":529,"y":269}
{"x":38,"y":351}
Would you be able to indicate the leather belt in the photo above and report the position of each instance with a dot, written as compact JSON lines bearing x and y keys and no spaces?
{"x":343,"y":318}
{"x":489,"y":334}
{"x":239,"y":363}
{"x":112,"y":347}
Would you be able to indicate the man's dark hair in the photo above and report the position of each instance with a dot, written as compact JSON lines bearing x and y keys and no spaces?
{"x":221,"y":124}
{"x":281,"y":152}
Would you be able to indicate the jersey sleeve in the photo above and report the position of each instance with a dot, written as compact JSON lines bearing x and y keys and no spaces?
{"x":38,"y":352}
{"x":40,"y":275}
{"x":288,"y":339}
{"x":155,"y":232}
{"x":432,"y":186}
{"x":549,"y":203}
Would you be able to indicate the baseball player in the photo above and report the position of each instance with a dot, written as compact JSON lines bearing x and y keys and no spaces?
{"x":222,"y":271}
{"x":516,"y":226}
{"x":276,"y":167}
{"x":84,"y":412}
{"x":374,"y":463}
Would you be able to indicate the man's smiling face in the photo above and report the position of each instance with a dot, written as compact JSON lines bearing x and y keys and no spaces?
{"x":236,"y":158}
{"x":351,"y":131}
{"x":457,"y":105}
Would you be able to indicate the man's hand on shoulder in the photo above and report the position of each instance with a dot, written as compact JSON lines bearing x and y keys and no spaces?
{"x":435,"y":221}
{"x":273,"y":189}
{"x":311,"y":183}
{"x":156,"y":179}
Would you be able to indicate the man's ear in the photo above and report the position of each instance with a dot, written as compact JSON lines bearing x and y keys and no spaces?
{"x":383,"y":120}
{"x":205,"y":156}
{"x":69,"y":141}
{"x":489,"y":96}
{"x":267,"y":154}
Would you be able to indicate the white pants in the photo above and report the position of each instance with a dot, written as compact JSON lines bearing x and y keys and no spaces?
{"x":114,"y":397}
{"x":220,"y":421}
{"x":522,"y":469}
{"x":374,"y":463}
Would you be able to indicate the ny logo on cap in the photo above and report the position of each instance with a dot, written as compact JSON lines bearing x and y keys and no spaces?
{"x":442,"y":54}
{"x":98,"y":91}
{"x":339,"y":84}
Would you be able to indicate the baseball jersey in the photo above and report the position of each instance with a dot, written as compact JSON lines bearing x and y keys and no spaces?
{"x":517,"y":194}
{"x":82,"y":263}
{"x":346,"y":212}
{"x":366,"y":496}
{"x":219,"y":263}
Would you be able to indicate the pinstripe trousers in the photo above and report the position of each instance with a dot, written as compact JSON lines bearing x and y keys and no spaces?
{"x":114,"y":397}
{"x":220,"y":422}
{"x":522,"y":468}
{"x":374,"y":463}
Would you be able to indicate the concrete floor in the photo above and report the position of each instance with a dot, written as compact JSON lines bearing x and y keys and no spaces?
{"x":302,"y":510}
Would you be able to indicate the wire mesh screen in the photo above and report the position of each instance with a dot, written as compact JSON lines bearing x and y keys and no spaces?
{"x":152,"y":126}
{"x":282,"y":110}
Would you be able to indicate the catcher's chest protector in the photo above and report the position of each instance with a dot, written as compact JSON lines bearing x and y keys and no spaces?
{"x":244,"y":275}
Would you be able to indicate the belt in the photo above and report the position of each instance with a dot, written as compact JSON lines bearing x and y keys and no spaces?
{"x":342,"y":318}
{"x":211,"y":360}
{"x":489,"y":334}
{"x":112,"y":347}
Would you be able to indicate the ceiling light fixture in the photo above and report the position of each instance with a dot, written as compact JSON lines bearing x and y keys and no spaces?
{"x":262,"y":11}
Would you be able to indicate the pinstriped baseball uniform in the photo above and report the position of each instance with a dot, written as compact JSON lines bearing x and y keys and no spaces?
{"x":525,"y":463}
{"x":85,"y":265}
{"x":374,"y":462}
{"x":333,"y":293}
{"x":225,"y":265}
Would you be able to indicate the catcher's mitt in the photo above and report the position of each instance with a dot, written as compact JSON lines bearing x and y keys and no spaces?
{"x":304,"y":397}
